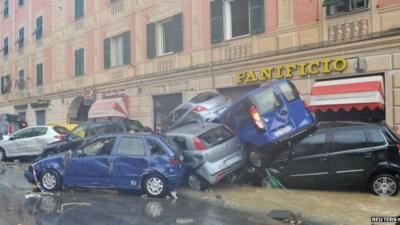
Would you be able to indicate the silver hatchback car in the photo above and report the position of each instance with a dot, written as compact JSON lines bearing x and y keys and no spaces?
{"x":204,"y":107}
{"x":210,"y":152}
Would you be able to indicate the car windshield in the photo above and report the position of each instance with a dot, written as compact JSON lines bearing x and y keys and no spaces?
{"x":215,"y":136}
{"x":61,"y":130}
{"x":174,"y":117}
{"x":266,"y":100}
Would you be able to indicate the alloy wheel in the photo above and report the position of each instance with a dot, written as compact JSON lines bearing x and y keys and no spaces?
{"x":255,"y":159}
{"x":155,"y":186}
{"x":194,"y":182}
{"x":385,"y":186}
{"x":49,"y":181}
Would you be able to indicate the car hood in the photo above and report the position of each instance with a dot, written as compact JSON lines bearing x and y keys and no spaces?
{"x":54,"y":161}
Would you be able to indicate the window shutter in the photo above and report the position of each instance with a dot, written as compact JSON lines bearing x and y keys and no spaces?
{"x":39,"y":74}
{"x":107,"y":53}
{"x":178,"y":32}
{"x":217,"y":21}
{"x":79,"y":5}
{"x":151,"y":40}
{"x":21,"y":37}
{"x":39,"y":28}
{"x":257,"y":16}
{"x":127,"y":47}
{"x":79,"y":62}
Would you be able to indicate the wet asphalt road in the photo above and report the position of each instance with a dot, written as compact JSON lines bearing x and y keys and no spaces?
{"x":20,"y":206}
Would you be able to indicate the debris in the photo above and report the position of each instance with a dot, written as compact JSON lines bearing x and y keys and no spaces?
{"x":286,"y":217}
{"x":184,"y":221}
{"x":74,"y":204}
{"x":39,"y":195}
{"x":173,"y":194}
{"x":16,"y":161}
{"x":218,"y":196}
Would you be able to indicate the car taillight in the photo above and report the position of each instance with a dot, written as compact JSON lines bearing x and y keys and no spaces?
{"x":199,"y":108}
{"x":174,"y":161}
{"x":398,"y":148}
{"x":197,"y":143}
{"x":256,"y":117}
{"x":58,"y":137}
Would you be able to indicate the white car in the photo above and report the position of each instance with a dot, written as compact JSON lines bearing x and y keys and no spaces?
{"x":30,"y":141}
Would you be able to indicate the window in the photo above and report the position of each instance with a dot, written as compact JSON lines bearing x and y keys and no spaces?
{"x":266,"y":100}
{"x":79,"y":9}
{"x":5,"y":84}
{"x":228,"y":120}
{"x":215,"y":136}
{"x":79,"y":62}
{"x":5,"y":10}
{"x":235,"y":18}
{"x":117,"y":50}
{"x":21,"y":37}
{"x":21,"y":80}
{"x":20,"y":3}
{"x":376,"y":138}
{"x":24,"y":133}
{"x":22,"y":115}
{"x":99,"y":147}
{"x":97,"y":129}
{"x":155,"y":148}
{"x":165,"y":36}
{"x":40,"y":117}
{"x":349,"y":139}
{"x":39,"y":75}
{"x":289,"y":91}
{"x":311,"y":145}
{"x":39,"y":131}
{"x":343,"y":6}
{"x":242,"y":113}
{"x":131,"y":147}
{"x":5,"y":46}
{"x":39,"y":28}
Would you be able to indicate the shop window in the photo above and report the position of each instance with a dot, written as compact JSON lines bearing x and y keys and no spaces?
{"x":40,"y":117}
{"x":165,"y":37}
{"x":5,"y":46}
{"x":21,"y":37}
{"x":79,"y":62}
{"x":39,"y":75}
{"x":335,"y":7}
{"x":79,"y":9}
{"x":5,"y":10}
{"x":39,"y":28}
{"x":117,"y":50}
{"x":5,"y":85}
{"x":21,"y":80}
{"x":236,"y":18}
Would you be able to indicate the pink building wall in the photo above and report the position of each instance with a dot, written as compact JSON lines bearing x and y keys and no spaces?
{"x":271,"y":15}
{"x":305,"y":11}
{"x":90,"y":53}
{"x":386,"y":3}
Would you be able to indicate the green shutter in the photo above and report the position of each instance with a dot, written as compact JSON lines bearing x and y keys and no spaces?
{"x":79,"y":62}
{"x":151,"y":40}
{"x":21,"y":37}
{"x":178,"y":32}
{"x":107,"y":53}
{"x":5,"y":11}
{"x":257,"y":16}
{"x":79,"y":5}
{"x":217,"y":21}
{"x":39,"y":28}
{"x":127,"y":47}
{"x":39,"y":74}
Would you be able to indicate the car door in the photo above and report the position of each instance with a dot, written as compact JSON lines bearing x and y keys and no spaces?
{"x":93,"y":167}
{"x":308,"y":161}
{"x":129,"y":163}
{"x":351,"y":155}
{"x":38,"y":140}
{"x":16,"y":144}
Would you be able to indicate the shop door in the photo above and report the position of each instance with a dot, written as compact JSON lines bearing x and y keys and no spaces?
{"x":163,"y":105}
{"x":40,"y":117}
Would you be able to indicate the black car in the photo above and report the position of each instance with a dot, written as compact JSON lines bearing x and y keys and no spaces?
{"x":91,"y":129}
{"x":343,"y":154}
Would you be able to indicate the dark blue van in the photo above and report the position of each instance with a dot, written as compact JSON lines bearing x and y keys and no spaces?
{"x":267,"y":117}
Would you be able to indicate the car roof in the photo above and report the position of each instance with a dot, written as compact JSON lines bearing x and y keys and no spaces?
{"x":194,"y":129}
{"x":127,"y":135}
{"x":334,"y":124}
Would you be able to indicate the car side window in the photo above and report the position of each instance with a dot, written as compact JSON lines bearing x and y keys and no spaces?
{"x":349,"y":139}
{"x":115,"y":128}
{"x":39,"y":131}
{"x":155,"y":148}
{"x":133,"y":125}
{"x":311,"y":145}
{"x":289,"y":91}
{"x":376,"y":138}
{"x":97,"y":129}
{"x":178,"y":142}
{"x":131,"y":146}
{"x":228,"y":120}
{"x":242,"y":113}
{"x":79,"y":132}
{"x":99,"y":147}
{"x":25,"y":133}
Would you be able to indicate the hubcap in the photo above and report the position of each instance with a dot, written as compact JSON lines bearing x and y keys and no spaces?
{"x":194,"y":182}
{"x":384,"y":186}
{"x":255,"y":159}
{"x":49,"y":181}
{"x":155,"y":186}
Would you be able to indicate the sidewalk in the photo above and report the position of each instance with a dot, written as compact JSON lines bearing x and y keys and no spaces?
{"x":318,"y":207}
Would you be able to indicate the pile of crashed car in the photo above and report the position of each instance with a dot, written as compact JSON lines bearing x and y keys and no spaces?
{"x":266,"y":137}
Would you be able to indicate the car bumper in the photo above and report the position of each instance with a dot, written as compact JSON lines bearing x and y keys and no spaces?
{"x":30,"y":177}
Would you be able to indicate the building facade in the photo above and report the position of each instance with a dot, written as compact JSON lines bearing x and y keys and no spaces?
{"x":58,"y":57}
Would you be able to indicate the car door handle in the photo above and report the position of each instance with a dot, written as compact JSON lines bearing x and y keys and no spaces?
{"x":368,"y":155}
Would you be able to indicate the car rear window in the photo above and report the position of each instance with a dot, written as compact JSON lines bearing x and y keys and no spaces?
{"x":376,"y":138}
{"x":289,"y":91}
{"x":266,"y":100}
{"x":61,"y":130}
{"x":202,"y":97}
{"x":174,"y":117}
{"x":215,"y":136}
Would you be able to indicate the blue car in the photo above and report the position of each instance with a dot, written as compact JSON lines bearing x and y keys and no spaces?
{"x":119,"y":161}
{"x":267,"y":117}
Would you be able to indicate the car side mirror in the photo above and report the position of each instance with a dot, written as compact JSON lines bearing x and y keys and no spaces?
{"x":11,"y":138}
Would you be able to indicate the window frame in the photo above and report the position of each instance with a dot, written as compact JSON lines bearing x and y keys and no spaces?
{"x":6,"y":44}
{"x":79,"y":14}
{"x":145,"y":147}
{"x":39,"y":65}
{"x":21,"y":37}
{"x":228,"y":21}
{"x":161,"y":37}
{"x":348,"y":8}
{"x":21,"y":82}
{"x":6,"y":8}
{"x":340,"y":130}
{"x":39,"y":30}
{"x":79,"y":60}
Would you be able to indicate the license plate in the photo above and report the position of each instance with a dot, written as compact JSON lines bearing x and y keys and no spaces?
{"x":282,"y":131}
{"x":232,"y":160}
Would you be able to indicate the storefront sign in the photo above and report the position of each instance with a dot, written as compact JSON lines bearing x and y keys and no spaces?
{"x":89,"y":95}
{"x":289,"y":70}
{"x":114,"y":93}
{"x":40,"y":103}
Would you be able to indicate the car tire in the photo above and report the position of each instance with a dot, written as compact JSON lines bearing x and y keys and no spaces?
{"x":3,"y":156}
{"x":50,"y":181}
{"x":195,"y":182}
{"x":255,"y":158}
{"x":155,"y":186}
{"x":384,"y":185}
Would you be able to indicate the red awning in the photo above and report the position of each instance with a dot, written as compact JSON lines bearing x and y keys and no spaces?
{"x":113,"y":107}
{"x":347,"y":94}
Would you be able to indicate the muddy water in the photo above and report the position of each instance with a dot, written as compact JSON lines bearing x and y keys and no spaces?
{"x":340,"y":207}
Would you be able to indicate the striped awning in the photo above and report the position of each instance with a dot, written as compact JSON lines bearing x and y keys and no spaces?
{"x":112,"y":107}
{"x":348,"y":94}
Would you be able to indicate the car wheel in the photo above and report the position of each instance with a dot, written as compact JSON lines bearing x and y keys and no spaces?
{"x":155,"y":186}
{"x":2,"y":155}
{"x":195,"y":182}
{"x":384,"y":185}
{"x":50,"y":181}
{"x":255,"y":158}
